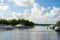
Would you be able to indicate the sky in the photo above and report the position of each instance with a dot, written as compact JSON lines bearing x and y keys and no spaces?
{"x":38,"y":11}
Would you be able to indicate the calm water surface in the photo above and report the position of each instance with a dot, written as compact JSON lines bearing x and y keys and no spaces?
{"x":36,"y":33}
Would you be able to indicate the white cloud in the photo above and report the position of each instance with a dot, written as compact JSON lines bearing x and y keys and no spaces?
{"x":42,"y":12}
{"x":24,"y":3}
{"x":24,"y":15}
{"x":54,"y":11}
{"x":15,"y":15}
{"x":38,"y":14}
{"x":1,"y":15}
{"x":4,"y":7}
{"x":1,"y":0}
{"x":38,"y":11}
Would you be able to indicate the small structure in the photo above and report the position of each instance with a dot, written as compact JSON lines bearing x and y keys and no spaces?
{"x":20,"y":25}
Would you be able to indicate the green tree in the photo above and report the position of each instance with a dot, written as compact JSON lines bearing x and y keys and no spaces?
{"x":58,"y":23}
{"x":19,"y":21}
{"x":13,"y":22}
{"x":3,"y":21}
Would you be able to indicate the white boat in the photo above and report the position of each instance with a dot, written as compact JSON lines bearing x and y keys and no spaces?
{"x":57,"y":28}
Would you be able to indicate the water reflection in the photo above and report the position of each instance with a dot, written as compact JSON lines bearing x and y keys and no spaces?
{"x":30,"y":34}
{"x":40,"y":28}
{"x":58,"y":35}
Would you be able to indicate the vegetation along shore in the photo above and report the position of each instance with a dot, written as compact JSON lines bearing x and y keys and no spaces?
{"x":13,"y":22}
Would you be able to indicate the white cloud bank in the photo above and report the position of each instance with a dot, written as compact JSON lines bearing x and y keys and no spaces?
{"x":1,"y":0}
{"x":25,"y":3}
{"x":4,"y":7}
{"x":38,"y":14}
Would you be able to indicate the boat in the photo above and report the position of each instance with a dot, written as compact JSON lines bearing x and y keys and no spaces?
{"x":57,"y":29}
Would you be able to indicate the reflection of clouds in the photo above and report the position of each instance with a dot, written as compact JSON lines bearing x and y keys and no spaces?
{"x":40,"y":28}
{"x":26,"y":34}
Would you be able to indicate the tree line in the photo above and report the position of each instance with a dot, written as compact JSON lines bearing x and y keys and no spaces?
{"x":15,"y":22}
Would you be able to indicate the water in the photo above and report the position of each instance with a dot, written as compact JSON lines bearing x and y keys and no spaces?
{"x":41,"y":28}
{"x":37,"y":33}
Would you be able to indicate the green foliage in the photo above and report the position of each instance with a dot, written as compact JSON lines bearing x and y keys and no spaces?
{"x":25,"y":22}
{"x":58,"y":23}
{"x":3,"y":21}
{"x":14,"y":22}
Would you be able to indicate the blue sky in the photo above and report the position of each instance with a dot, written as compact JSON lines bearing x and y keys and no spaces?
{"x":48,"y":3}
{"x":38,"y":11}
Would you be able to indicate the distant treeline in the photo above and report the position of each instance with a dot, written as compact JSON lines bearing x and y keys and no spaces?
{"x":19,"y":21}
{"x":44,"y":24}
